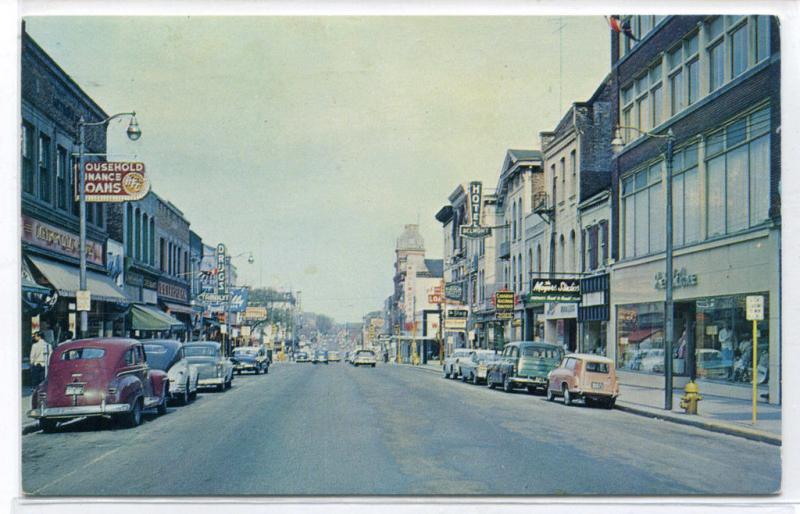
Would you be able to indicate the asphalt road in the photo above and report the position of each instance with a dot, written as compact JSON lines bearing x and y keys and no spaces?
{"x":338,"y":430}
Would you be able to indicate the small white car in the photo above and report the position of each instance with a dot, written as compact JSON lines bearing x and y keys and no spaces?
{"x":169,"y":356}
{"x":364,"y":358}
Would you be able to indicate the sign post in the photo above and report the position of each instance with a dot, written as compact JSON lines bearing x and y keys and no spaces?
{"x":755,"y":313}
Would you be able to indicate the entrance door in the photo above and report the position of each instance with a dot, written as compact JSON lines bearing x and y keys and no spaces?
{"x":571,"y":334}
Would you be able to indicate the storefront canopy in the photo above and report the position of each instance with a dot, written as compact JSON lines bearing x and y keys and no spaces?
{"x":66,"y":279}
{"x":145,"y":317}
{"x":176,"y":307}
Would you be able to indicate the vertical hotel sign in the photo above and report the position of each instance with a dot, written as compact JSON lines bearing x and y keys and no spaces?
{"x":221,"y":271}
{"x":475,"y":194}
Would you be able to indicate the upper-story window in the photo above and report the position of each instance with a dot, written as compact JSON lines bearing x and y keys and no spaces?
{"x":642,"y":102}
{"x":61,"y":177}
{"x":683,"y":67}
{"x":563,"y":173}
{"x":734,"y":44}
{"x":519,"y":218}
{"x":573,"y":168}
{"x":555,"y":183}
{"x":45,"y":187}
{"x":73,"y":179}
{"x":643,"y":206}
{"x":641,"y":25}
{"x":27,"y":158}
{"x":514,"y":221}
{"x":685,"y":196}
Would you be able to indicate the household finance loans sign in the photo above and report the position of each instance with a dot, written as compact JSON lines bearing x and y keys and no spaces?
{"x":114,"y":181}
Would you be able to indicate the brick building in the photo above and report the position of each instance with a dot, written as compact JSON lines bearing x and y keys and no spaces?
{"x":715,"y":82}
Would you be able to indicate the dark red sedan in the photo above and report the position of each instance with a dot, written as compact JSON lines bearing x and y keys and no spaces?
{"x":99,"y":377}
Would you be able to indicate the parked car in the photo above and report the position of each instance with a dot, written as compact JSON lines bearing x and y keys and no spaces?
{"x":333,"y":356}
{"x":524,"y":363}
{"x":475,"y":368}
{"x":250,"y":358}
{"x":450,"y":366}
{"x":364,"y":358}
{"x":169,"y":356}
{"x":301,"y":357}
{"x":105,"y":377}
{"x":214,"y":369}
{"x":590,"y":377}
{"x":321,"y":356}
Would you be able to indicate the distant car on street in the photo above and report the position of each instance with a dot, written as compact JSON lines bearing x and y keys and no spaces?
{"x":451,"y":365}
{"x":364,"y":358}
{"x":169,"y":356}
{"x":250,"y":358}
{"x":586,"y":376}
{"x":524,"y":364}
{"x":333,"y":356}
{"x":213,"y":368}
{"x":103,"y":377}
{"x":320,"y":356}
{"x":474,"y":368}
{"x":301,"y":357}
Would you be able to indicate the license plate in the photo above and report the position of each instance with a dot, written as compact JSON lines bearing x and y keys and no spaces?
{"x":597,"y":385}
{"x":74,"y":389}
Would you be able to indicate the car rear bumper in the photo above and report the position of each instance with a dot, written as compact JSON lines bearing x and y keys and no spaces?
{"x":79,"y":411}
{"x":203,"y":382}
{"x":530,"y":381}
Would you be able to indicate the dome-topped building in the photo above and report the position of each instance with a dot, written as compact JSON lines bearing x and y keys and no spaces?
{"x":411,"y":239}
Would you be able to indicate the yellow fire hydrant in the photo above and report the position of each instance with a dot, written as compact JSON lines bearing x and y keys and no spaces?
{"x":690,"y":398}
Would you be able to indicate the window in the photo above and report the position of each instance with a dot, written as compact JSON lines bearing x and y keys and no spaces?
{"x":137,"y":234}
{"x":739,"y":47}
{"x":738,"y":174}
{"x":27,"y":158}
{"x":683,"y":70}
{"x":643,"y":205}
{"x":73,"y":180}
{"x":734,"y":44}
{"x":640,"y":336}
{"x":561,"y":253}
{"x":685,"y":197}
{"x":520,"y":267}
{"x":44,"y":169}
{"x":163,"y":255}
{"x":716,"y":63}
{"x":573,"y":167}
{"x":90,"y":213}
{"x":642,"y":102}
{"x":145,"y":238}
{"x":514,"y":221}
{"x":596,"y":367}
{"x":83,"y":354}
{"x":152,"y":242}
{"x":761,"y":38}
{"x":129,"y":230}
{"x":627,"y":113}
{"x":61,"y":178}
{"x":563,"y":173}
{"x":100,"y":217}
{"x":604,"y":242}
{"x":573,"y":261}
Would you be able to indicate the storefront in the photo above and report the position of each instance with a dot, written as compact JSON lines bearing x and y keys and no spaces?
{"x":561,"y":324}
{"x":593,"y":314}
{"x":713,"y":341}
{"x":173,"y":296}
{"x":534,"y":321}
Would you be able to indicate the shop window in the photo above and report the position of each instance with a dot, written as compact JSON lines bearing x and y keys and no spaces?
{"x":640,"y":337}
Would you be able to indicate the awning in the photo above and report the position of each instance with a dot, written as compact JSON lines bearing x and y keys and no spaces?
{"x":144,"y":317}
{"x":176,"y":307}
{"x":29,"y":286}
{"x":65,"y":279}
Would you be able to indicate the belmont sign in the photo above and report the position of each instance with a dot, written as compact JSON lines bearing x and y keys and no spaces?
{"x":114,"y":181}
{"x":557,"y":290}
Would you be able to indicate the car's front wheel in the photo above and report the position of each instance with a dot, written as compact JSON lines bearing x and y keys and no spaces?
{"x":507,"y":386}
{"x":550,"y":396}
{"x":489,"y":382}
{"x":567,"y":395}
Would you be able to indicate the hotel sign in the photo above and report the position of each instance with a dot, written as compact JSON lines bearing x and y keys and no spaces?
{"x":557,"y":290}
{"x":474,"y":229}
{"x":49,"y":237}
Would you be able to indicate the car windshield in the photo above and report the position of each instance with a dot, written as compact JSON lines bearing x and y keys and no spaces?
{"x":200,"y":351}
{"x":252,"y":352}
{"x":487,"y":356}
{"x":596,"y":367}
{"x":365,"y":353}
{"x":541,"y":353}
{"x":158,"y":356}
{"x":83,"y":354}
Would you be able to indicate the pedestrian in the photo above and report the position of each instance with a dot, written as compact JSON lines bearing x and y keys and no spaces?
{"x":67,"y":336}
{"x":40,"y":353}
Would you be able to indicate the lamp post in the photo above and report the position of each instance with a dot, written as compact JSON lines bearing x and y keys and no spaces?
{"x":617,"y":145}
{"x":229,"y":326}
{"x":134,"y":133}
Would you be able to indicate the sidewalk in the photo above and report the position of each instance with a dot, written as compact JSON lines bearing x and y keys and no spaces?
{"x":716,"y":413}
{"x":28,"y":424}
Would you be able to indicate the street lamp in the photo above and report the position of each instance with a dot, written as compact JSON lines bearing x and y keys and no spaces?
{"x":250,"y":260}
{"x":617,"y":145}
{"x":134,"y":133}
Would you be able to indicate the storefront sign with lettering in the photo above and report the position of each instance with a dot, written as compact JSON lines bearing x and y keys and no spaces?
{"x":556,"y":290}
{"x":44,"y":235}
{"x":170,"y":291}
{"x":680,"y":278}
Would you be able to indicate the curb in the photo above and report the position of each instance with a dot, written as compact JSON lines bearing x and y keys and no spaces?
{"x":747,"y":433}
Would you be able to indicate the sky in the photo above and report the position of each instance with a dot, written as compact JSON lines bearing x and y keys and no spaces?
{"x":312,"y":141}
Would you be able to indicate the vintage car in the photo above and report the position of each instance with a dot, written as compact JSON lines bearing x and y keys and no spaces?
{"x":301,"y":357}
{"x":524,"y":363}
{"x":590,"y":377}
{"x":168,"y":356}
{"x":333,"y":356}
{"x":250,"y":358}
{"x":364,"y":358}
{"x":450,"y":367}
{"x":474,"y":368}
{"x":214,"y":369}
{"x":105,"y":377}
{"x":320,"y":356}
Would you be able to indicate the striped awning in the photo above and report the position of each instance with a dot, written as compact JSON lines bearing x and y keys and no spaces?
{"x":66,"y":280}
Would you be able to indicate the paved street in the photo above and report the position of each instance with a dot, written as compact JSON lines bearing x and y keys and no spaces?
{"x":324,"y":430}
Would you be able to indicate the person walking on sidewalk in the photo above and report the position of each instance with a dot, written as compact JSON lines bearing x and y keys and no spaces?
{"x":40,"y":353}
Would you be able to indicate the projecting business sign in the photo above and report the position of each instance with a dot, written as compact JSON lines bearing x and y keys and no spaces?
{"x":114,"y":181}
{"x":558,"y":290}
{"x":475,"y":193}
{"x":222,"y":286}
{"x":454,"y":291}
{"x":504,"y":301}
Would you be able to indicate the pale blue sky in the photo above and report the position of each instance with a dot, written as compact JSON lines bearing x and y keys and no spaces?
{"x":312,"y":141}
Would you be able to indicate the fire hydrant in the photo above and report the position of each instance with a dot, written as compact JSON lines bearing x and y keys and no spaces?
{"x":690,"y":398}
